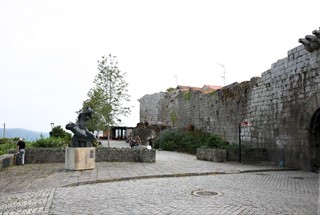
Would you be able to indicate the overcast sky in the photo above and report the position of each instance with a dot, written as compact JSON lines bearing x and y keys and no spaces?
{"x":49,"y":49}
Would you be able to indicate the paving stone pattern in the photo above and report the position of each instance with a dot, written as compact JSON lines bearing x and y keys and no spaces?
{"x":32,"y":202}
{"x":158,"y":188}
{"x":247,"y":193}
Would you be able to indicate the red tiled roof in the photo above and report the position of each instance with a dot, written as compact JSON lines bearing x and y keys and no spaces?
{"x":204,"y":89}
{"x":212,"y":87}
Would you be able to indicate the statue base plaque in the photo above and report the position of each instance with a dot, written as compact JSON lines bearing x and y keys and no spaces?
{"x":80,"y":158}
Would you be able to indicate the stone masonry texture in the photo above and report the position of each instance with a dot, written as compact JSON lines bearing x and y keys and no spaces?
{"x":281,"y":106}
{"x":57,"y":155}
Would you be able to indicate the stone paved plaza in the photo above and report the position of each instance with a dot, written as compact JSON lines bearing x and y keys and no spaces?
{"x":278,"y":192}
{"x":176,"y":184}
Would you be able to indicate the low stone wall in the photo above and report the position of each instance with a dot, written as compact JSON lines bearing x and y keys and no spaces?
{"x":216,"y":155}
{"x":45,"y":155}
{"x":6,"y":160}
{"x":53,"y":155}
{"x":247,"y":155}
{"x":125,"y":155}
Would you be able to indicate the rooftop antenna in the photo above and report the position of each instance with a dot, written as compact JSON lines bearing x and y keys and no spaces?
{"x":224,"y":73}
{"x":176,"y":77}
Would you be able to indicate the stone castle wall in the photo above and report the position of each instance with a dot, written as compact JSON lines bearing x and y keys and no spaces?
{"x":280,"y":106}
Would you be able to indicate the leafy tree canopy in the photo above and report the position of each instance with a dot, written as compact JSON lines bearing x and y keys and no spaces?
{"x":107,"y":96}
{"x":59,"y":132}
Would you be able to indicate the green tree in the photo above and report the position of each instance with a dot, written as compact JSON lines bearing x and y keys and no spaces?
{"x":96,"y":102}
{"x":107,"y":96}
{"x":59,"y":132}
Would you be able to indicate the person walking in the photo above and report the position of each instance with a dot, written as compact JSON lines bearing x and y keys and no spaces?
{"x":21,"y":146}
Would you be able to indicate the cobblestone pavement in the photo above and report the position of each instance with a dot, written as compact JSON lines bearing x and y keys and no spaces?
{"x":248,"y":193}
{"x":36,"y":188}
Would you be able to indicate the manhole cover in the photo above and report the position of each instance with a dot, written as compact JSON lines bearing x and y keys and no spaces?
{"x":204,"y":193}
{"x":296,"y":177}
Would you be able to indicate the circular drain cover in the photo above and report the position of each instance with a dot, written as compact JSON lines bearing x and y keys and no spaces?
{"x":204,"y":193}
{"x":295,"y":177}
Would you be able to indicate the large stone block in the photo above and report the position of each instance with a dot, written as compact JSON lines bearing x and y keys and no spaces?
{"x":211,"y":154}
{"x":80,"y":158}
{"x":6,"y":160}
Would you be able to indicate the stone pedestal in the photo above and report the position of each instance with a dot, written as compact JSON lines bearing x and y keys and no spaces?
{"x":80,"y":158}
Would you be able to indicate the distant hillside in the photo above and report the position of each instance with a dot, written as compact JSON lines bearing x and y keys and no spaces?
{"x":24,"y":133}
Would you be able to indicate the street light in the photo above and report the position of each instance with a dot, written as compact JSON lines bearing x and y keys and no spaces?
{"x":52,"y":124}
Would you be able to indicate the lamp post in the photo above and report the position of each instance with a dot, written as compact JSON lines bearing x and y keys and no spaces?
{"x":52,"y":125}
{"x":4,"y":130}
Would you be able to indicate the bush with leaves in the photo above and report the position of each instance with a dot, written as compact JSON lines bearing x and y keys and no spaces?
{"x":169,"y":139}
{"x":215,"y":141}
{"x":170,"y":89}
{"x":7,"y":145}
{"x":59,"y":132}
{"x":10,"y":144}
{"x":193,"y":140}
{"x":181,"y":140}
{"x":51,"y":142}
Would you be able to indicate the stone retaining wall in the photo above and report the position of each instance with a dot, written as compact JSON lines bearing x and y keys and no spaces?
{"x":125,"y":155}
{"x":6,"y":160}
{"x":51,"y":155}
{"x":45,"y":155}
{"x":216,"y":155}
{"x":247,"y":155}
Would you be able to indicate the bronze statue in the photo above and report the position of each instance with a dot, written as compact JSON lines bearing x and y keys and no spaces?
{"x":82,"y":136}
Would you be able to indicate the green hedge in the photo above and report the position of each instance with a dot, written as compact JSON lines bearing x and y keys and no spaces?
{"x":51,"y":142}
{"x":9,"y":144}
{"x":182,"y":140}
{"x":187,"y":141}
